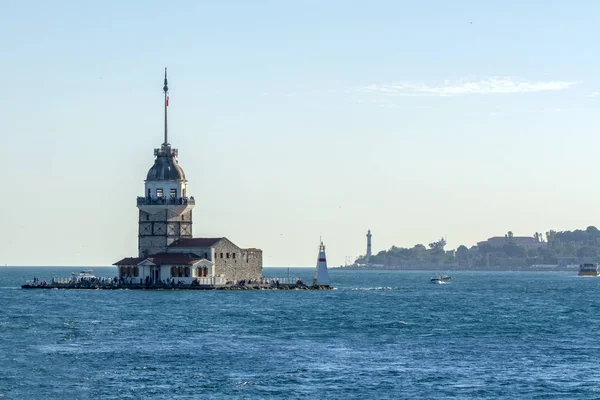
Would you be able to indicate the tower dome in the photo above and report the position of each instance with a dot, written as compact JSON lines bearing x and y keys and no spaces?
{"x":166,"y":168}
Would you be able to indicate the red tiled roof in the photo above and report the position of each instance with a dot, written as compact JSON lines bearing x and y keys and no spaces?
{"x":195,"y":242}
{"x":163,"y":258}
{"x":129,"y":261}
{"x":175,"y":258}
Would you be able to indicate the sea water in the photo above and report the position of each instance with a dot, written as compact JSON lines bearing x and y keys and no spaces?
{"x":379,"y":335}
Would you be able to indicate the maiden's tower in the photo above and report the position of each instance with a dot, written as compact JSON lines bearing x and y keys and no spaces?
{"x":166,"y":247}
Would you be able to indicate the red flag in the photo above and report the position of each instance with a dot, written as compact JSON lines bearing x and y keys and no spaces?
{"x":167,"y":101}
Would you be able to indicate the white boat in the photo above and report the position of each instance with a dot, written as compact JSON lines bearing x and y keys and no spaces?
{"x":440,"y":279}
{"x":85,"y":274}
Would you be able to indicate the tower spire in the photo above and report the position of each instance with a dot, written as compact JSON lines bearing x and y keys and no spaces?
{"x":166,"y":90}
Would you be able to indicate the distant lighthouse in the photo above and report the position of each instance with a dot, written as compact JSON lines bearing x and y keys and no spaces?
{"x":321,"y":277}
{"x":367,"y":260}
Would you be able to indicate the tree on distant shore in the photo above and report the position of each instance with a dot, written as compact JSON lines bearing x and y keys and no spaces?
{"x":439,"y":245}
{"x":587,"y":252}
{"x":551,"y":238}
{"x":509,"y":237}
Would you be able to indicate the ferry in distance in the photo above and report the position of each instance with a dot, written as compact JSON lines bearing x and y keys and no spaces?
{"x":588,"y":270}
{"x":440,"y":279}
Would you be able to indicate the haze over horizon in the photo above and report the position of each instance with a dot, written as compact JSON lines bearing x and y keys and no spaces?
{"x":294,"y":121}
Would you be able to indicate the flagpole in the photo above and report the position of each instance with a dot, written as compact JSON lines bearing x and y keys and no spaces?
{"x":166,"y":90}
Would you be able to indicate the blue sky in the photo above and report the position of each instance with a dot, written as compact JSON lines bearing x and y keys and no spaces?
{"x":296,"y":120}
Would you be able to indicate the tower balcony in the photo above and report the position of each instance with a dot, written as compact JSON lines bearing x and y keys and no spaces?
{"x":153,"y":205}
{"x":161,"y":201}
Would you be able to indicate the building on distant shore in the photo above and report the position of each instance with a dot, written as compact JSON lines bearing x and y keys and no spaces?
{"x":166,"y":247}
{"x":524,"y":241}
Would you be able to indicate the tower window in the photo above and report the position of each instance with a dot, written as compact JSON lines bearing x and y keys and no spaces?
{"x":232,"y":255}
{"x":147,"y":217}
{"x":227,"y":254}
{"x":221,"y":255}
{"x":173,"y":193}
{"x":183,"y":217}
{"x":159,"y":193}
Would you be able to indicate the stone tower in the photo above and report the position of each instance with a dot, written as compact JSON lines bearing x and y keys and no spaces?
{"x":165,"y":209}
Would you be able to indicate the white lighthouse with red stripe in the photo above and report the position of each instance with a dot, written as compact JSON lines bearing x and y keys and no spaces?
{"x":321,"y":277}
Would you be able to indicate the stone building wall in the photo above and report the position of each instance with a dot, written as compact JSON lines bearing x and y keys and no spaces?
{"x":235,"y":263}
{"x":149,"y":245}
{"x":157,"y":231}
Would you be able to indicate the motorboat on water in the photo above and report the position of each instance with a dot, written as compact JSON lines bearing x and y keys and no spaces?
{"x":85,"y":274}
{"x":588,"y":270}
{"x":440,"y":279}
